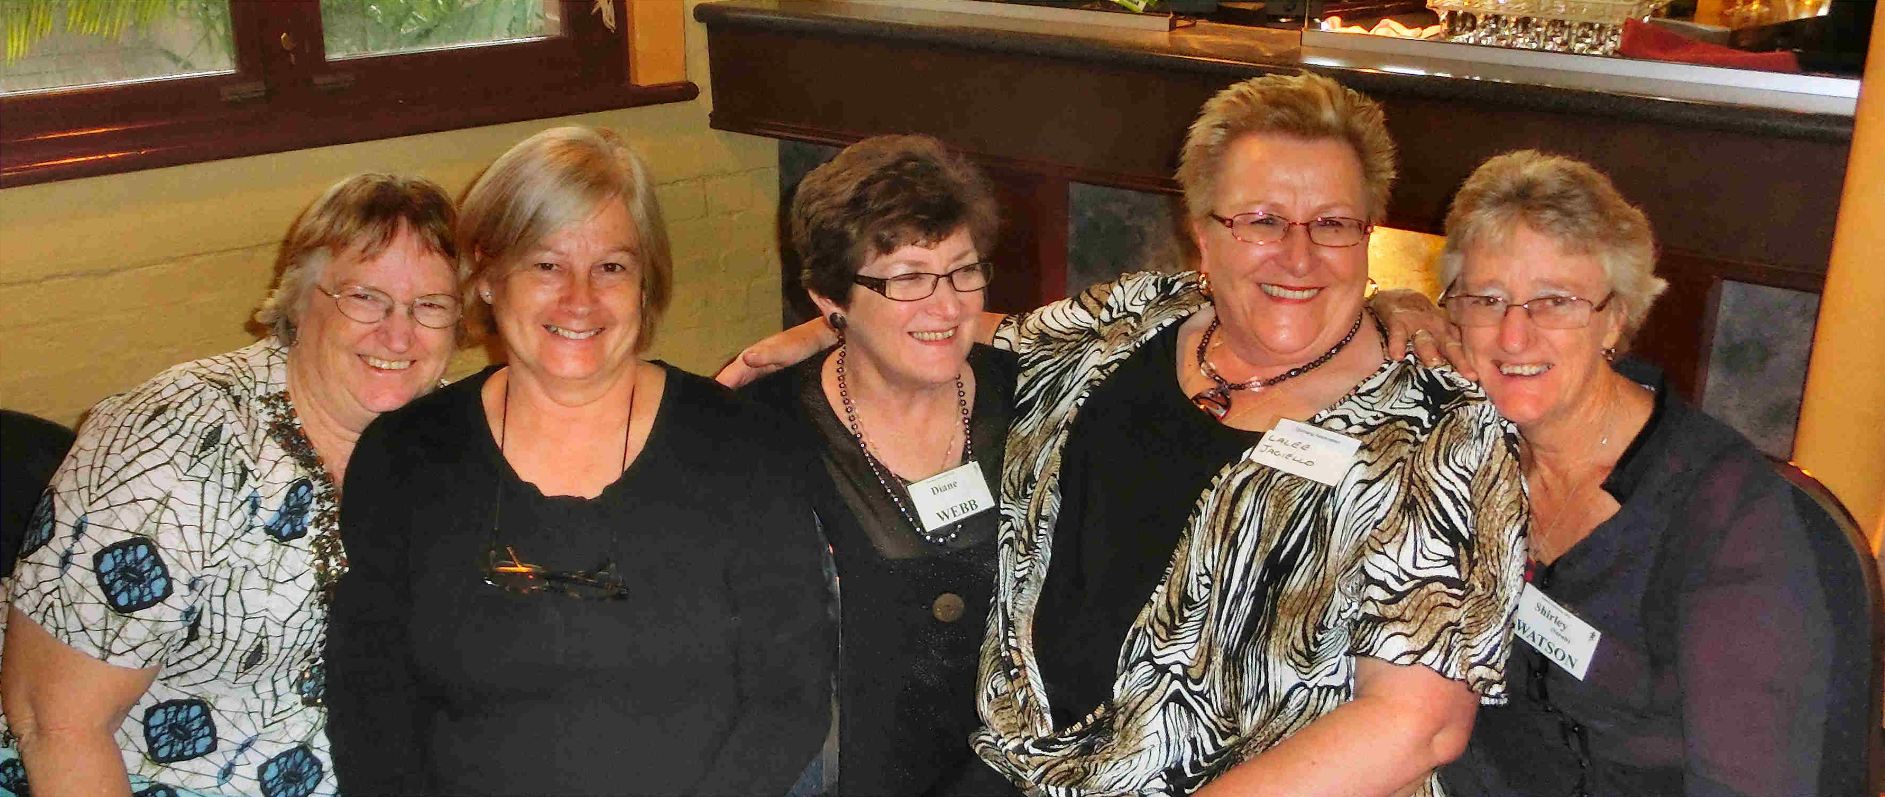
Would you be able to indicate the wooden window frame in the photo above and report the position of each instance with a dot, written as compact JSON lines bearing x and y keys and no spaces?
{"x":284,"y":94}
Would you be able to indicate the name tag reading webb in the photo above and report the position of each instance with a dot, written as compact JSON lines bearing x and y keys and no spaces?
{"x":951,"y":496}
{"x":1311,"y":452}
{"x":1553,"y":630}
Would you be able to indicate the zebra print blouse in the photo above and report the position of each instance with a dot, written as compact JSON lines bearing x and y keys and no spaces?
{"x":1277,"y":583}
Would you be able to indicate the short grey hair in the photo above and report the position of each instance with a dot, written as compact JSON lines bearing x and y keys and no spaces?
{"x":359,"y":216}
{"x":549,"y":181}
{"x":1567,"y":201}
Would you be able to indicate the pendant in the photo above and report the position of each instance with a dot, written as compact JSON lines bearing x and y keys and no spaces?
{"x":1215,"y":401}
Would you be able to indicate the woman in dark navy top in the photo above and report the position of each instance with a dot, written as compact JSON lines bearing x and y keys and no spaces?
{"x":1712,"y":668}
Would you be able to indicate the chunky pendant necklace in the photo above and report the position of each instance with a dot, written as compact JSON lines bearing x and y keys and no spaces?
{"x":1216,"y":399}
{"x":880,"y":470}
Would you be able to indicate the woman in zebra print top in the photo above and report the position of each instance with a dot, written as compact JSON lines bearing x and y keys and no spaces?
{"x":1302,"y":627}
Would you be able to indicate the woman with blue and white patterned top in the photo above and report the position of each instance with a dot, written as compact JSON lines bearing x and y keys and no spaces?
{"x":170,"y":602}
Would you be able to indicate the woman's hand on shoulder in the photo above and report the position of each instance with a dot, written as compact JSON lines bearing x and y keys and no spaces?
{"x":1412,"y":319}
{"x":778,"y":350}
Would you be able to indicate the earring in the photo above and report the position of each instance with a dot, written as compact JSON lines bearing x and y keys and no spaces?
{"x":1204,"y":285}
{"x":836,"y":320}
{"x":485,"y":295}
{"x":1610,"y":353}
{"x":1372,"y":289}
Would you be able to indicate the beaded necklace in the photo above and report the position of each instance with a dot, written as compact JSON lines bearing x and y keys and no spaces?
{"x":880,"y":470}
{"x":1216,"y":399}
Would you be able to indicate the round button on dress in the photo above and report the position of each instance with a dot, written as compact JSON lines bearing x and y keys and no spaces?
{"x":947,"y":607}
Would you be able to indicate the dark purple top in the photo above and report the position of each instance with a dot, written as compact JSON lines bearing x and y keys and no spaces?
{"x":1722,"y":669}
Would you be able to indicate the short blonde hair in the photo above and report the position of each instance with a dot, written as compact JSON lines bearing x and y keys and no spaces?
{"x":549,"y":181}
{"x":358,"y":216}
{"x":1302,"y":105}
{"x":1567,"y":201}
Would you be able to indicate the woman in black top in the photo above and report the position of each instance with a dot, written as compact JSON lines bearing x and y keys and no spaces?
{"x":891,"y":234}
{"x":1691,"y":644}
{"x":576,"y":573}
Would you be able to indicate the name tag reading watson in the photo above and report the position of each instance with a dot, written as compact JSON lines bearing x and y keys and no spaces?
{"x":950,"y":496}
{"x":1311,"y":452}
{"x":1553,"y":630}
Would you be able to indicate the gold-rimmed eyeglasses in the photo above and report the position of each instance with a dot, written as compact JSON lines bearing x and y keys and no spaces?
{"x":1548,"y":312}
{"x":1263,"y":229}
{"x":372,"y":305}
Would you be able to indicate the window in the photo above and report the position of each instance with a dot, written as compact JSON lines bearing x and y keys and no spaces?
{"x":101,"y":86}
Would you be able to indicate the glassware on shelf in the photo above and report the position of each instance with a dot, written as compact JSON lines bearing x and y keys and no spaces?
{"x":1588,"y":27}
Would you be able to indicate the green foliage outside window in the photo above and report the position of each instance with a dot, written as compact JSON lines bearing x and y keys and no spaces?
{"x":350,"y":26}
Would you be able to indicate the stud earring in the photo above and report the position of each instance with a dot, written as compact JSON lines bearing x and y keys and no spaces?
{"x":485,"y":295}
{"x":836,"y":320}
{"x":1610,"y":353}
{"x":1204,"y":285}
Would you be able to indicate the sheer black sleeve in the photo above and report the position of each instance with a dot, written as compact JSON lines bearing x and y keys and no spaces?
{"x":1754,"y":639}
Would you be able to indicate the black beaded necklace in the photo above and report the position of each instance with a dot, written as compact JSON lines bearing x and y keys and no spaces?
{"x":1216,"y":399}
{"x":880,"y":470}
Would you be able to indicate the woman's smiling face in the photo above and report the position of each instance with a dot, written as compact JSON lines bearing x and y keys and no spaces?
{"x":919,"y":343}
{"x":569,"y":308}
{"x":1292,"y":297}
{"x":1532,"y":374}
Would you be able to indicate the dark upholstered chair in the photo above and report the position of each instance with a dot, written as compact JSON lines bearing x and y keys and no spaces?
{"x":1854,"y":741}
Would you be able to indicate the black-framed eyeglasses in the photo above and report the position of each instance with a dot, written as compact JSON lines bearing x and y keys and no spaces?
{"x":1263,"y":229}
{"x":1548,"y":312}
{"x":919,"y":285}
{"x":372,"y":305}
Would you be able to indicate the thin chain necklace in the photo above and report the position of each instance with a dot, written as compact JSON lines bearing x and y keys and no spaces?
{"x":1544,"y":534}
{"x":879,"y":469}
{"x":1216,"y":399}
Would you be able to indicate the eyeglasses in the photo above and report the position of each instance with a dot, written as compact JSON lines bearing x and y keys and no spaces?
{"x":1268,"y":228}
{"x":511,"y":574}
{"x":1548,"y":312}
{"x":371,"y":306}
{"x":919,"y":285}
{"x":504,"y":569}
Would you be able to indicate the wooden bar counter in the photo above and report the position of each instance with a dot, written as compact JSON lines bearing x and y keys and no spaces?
{"x":1736,"y":192}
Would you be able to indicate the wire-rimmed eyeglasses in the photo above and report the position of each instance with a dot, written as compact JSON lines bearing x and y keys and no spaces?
{"x":919,"y":285}
{"x":1267,"y":228}
{"x":506,"y":571}
{"x":372,"y":305}
{"x":1548,"y":312}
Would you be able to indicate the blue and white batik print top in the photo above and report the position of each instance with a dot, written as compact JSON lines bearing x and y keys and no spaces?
{"x":192,"y":529}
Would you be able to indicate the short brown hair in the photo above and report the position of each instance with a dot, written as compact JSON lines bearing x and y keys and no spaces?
{"x":360,"y":215}
{"x":1567,"y":201}
{"x":1302,"y":105}
{"x":549,"y":181}
{"x":880,"y":195}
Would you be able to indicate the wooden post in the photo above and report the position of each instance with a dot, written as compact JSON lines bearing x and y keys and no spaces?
{"x":1841,"y":437}
{"x":657,"y":42}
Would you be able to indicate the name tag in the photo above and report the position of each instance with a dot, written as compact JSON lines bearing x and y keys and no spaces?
{"x":1311,"y":452}
{"x":951,"y":496}
{"x":1553,"y":630}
